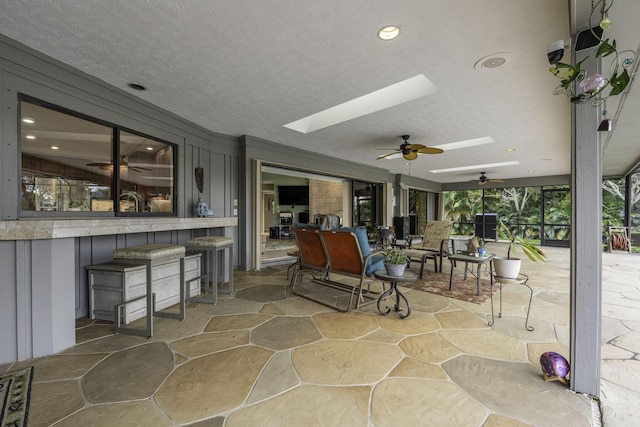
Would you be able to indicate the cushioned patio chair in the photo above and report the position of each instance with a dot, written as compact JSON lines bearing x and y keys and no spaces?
{"x":435,"y":244}
{"x":346,"y":253}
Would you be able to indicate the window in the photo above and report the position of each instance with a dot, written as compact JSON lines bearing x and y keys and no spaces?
{"x":418,"y":207}
{"x":67,"y":166}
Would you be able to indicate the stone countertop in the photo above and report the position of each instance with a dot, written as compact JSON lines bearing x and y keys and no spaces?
{"x":35,"y":229}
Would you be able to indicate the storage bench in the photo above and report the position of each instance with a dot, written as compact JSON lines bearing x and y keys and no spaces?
{"x":112,"y":283}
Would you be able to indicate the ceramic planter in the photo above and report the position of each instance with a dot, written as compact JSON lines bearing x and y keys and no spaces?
{"x":395,"y":269}
{"x":507,"y":268}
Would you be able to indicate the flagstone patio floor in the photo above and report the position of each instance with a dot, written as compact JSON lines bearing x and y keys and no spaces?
{"x":263,"y":357}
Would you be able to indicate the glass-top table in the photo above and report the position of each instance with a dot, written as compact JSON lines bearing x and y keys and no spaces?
{"x":470,"y":259}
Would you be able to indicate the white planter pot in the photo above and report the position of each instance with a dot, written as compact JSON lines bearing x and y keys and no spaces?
{"x":507,"y":268}
{"x":395,"y":269}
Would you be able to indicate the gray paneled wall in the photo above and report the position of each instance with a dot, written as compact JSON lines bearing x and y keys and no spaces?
{"x":43,"y":284}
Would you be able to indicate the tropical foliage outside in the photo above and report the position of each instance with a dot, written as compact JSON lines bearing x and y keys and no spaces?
{"x":521,"y":209}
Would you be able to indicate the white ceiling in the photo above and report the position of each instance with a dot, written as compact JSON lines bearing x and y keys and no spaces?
{"x":247,"y":67}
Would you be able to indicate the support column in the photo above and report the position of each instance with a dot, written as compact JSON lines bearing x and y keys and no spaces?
{"x":586,"y":242}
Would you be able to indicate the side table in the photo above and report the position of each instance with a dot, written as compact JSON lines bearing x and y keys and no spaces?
{"x":408,"y":276}
{"x":522,"y":279}
{"x":470,"y":259}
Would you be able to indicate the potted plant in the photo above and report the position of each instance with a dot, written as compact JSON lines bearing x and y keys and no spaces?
{"x":510,"y":267}
{"x":77,"y":205}
{"x":395,"y":261}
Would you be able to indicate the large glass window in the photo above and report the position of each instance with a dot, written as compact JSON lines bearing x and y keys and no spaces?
{"x":418,"y":207}
{"x":68,"y":166}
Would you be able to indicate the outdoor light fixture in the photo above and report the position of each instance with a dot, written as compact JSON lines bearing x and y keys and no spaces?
{"x":606,"y":125}
{"x":389,"y":32}
{"x":576,"y":83}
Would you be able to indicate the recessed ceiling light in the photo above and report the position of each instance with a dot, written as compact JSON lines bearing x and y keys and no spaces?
{"x":55,"y":147}
{"x":136,"y":86}
{"x":30,"y":136}
{"x":510,"y":150}
{"x":389,"y":32}
{"x":472,"y":167}
{"x":28,"y":120}
{"x":150,"y":148}
{"x":493,"y":61}
{"x":398,"y":93}
{"x":532,"y":170}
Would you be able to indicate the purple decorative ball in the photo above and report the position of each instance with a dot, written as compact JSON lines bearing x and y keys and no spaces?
{"x":554,"y":364}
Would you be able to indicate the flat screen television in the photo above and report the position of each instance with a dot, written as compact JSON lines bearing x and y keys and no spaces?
{"x":293,"y":194}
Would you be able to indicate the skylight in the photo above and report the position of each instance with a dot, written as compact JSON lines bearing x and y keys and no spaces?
{"x":390,"y":96}
{"x":474,"y":167}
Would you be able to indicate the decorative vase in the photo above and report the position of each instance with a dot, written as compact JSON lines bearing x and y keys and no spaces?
{"x":395,"y":269}
{"x":509,"y":268}
{"x":200,"y":209}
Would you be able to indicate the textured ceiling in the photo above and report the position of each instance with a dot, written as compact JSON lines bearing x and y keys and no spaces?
{"x":245,"y":67}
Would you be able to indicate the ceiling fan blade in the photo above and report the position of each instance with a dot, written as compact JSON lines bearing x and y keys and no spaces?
{"x":430,"y":150}
{"x":388,"y":155}
{"x":99,"y":164}
{"x":482,"y":182}
{"x":496,"y":180}
{"x":387,"y":149}
{"x":410,"y":156}
{"x":414,"y":146}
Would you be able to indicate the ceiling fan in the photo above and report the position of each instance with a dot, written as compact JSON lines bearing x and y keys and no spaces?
{"x":408,"y":151}
{"x":123,"y":164}
{"x":483,"y":179}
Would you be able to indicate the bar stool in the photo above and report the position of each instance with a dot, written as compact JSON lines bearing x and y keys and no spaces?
{"x":213,"y":244}
{"x":150,"y":255}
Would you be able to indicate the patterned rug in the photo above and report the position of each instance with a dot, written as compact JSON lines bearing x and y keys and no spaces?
{"x":15,"y":389}
{"x":438,"y":283}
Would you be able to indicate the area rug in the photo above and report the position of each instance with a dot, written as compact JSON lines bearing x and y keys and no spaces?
{"x":15,"y":389}
{"x":464,"y":290}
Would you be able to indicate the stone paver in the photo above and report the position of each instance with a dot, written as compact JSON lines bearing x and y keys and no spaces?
{"x":54,"y":400}
{"x":206,"y":343}
{"x":494,"y":383}
{"x":283,"y":333}
{"x":130,"y":374}
{"x":308,"y":405}
{"x":211,"y":385}
{"x":415,"y":402}
{"x":121,"y":414}
{"x":345,"y":325}
{"x":345,"y":362}
{"x":294,"y":362}
{"x":278,"y":376}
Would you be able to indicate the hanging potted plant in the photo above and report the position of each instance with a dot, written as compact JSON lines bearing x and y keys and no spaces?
{"x":510,"y":267}
{"x":395,"y":261}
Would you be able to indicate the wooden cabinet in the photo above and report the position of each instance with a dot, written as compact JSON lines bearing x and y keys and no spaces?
{"x":111,"y":283}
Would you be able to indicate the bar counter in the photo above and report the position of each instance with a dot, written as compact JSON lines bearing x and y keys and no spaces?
{"x":36,"y":229}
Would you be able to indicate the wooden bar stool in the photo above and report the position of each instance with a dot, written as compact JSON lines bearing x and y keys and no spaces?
{"x":150,"y":255}
{"x":213,"y":244}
